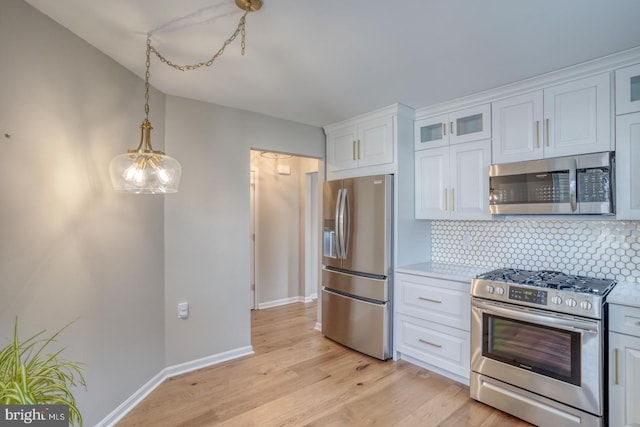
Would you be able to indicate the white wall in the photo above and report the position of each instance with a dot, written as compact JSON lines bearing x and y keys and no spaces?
{"x":207,"y":221}
{"x":71,"y":248}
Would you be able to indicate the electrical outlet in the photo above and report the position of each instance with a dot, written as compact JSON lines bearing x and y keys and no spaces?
{"x":183,"y":310}
{"x":466,"y":241}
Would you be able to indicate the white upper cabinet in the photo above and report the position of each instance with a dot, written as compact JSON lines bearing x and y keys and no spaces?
{"x":627,"y":166}
{"x":628,"y":89}
{"x":577,"y":117}
{"x":364,"y":143}
{"x":562,"y":120}
{"x":453,"y":182}
{"x":470,"y":124}
{"x":516,"y":124}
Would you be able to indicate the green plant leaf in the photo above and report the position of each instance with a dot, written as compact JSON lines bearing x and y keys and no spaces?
{"x":30,"y":376}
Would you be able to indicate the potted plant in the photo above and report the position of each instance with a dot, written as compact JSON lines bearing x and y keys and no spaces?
{"x":29,"y":376}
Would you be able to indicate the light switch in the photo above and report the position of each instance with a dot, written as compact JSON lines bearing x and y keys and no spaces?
{"x":183,"y":310}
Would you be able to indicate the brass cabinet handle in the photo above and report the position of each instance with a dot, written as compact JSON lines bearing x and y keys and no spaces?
{"x":444,"y":129}
{"x":429,"y":343}
{"x":358,"y":149}
{"x":537,"y":133}
{"x":353,"y":150}
{"x":451,"y":128}
{"x":445,"y":198}
{"x":430,"y":300}
{"x":616,"y":365}
{"x":452,"y":201}
{"x":546,"y":122}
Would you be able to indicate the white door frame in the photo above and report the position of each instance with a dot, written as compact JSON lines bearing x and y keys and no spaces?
{"x":253,"y":285}
{"x":311,"y":236}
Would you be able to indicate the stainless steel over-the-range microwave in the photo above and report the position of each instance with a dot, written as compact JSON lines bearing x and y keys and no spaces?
{"x":583,"y":184}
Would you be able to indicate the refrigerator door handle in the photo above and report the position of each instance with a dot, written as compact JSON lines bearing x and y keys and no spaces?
{"x":337,"y":223}
{"x":346,"y":226}
{"x":340,"y":223}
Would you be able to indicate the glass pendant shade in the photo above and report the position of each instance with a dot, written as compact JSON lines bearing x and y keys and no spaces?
{"x":144,"y":170}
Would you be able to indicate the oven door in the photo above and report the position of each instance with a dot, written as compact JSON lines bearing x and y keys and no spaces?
{"x":550,"y":354}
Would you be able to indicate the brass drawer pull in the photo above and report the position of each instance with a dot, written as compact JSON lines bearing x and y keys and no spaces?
{"x":430,"y":300}
{"x":429,"y":343}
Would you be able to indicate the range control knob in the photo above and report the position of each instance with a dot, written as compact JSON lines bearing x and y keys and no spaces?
{"x":500,"y":290}
{"x":556,"y":299}
{"x":490,"y":289}
{"x":585,"y":305}
{"x":571,"y":302}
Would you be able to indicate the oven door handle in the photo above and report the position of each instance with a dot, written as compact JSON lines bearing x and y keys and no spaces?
{"x":546,"y":319}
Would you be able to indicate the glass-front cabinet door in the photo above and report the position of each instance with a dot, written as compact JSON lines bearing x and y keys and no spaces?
{"x":470,"y":124}
{"x":628,"y":89}
{"x":432,"y":132}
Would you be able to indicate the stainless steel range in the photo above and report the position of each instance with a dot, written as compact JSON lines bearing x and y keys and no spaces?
{"x":537,"y":345}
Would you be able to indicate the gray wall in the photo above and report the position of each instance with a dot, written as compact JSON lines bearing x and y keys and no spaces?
{"x":207,"y":221}
{"x":71,"y":248}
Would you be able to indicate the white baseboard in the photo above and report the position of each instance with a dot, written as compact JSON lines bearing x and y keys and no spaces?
{"x":170,"y":371}
{"x":286,"y":301}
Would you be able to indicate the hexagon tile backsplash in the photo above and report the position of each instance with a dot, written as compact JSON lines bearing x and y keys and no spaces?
{"x":604,"y":249}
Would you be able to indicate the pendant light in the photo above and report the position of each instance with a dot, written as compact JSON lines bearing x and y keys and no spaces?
{"x":144,"y":170}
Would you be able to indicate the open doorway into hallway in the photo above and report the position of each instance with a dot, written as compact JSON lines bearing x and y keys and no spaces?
{"x":284,"y":229}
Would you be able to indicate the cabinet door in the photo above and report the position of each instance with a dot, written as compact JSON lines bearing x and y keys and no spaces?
{"x":470,"y":124}
{"x":432,"y":183}
{"x":577,"y":117}
{"x":375,"y":142}
{"x":628,"y":166}
{"x":341,"y":149}
{"x":469,"y":180}
{"x":517,"y":127}
{"x":432,"y":132}
{"x":624,"y":380}
{"x":628,"y":89}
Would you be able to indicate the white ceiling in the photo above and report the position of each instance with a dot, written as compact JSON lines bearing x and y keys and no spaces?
{"x":318,"y":62}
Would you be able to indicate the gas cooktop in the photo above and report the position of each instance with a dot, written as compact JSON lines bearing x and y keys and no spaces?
{"x":550,"y":290}
{"x":551,"y":279}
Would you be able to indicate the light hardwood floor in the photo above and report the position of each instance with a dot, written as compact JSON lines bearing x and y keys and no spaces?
{"x":297,"y":377}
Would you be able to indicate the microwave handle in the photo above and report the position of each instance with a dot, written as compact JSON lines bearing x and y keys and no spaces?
{"x":573,"y":197}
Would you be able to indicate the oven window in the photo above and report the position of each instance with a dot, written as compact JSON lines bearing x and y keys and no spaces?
{"x":547,"y":351}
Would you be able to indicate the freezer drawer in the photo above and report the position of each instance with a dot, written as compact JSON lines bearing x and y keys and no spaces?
{"x":357,"y":324}
{"x":358,"y":286}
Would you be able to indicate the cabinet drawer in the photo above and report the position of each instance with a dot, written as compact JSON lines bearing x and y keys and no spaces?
{"x":443,"y":301}
{"x":438,"y":345}
{"x":624,"y":319}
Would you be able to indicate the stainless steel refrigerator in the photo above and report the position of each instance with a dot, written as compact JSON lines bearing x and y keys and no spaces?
{"x":357,"y":257}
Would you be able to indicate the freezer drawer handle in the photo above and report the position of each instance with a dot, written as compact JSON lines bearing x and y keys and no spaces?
{"x":430,"y":300}
{"x":429,"y":343}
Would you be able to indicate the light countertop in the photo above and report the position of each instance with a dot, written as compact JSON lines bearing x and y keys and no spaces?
{"x":625,"y":293}
{"x":461,"y":273}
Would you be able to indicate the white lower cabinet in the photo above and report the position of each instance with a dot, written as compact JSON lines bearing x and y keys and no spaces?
{"x":624,"y":366}
{"x":432,"y":323}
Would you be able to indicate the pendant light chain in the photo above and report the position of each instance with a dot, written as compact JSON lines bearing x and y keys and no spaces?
{"x":190,"y":67}
{"x":147,"y":75}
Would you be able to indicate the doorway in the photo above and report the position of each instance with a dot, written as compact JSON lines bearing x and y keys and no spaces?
{"x":284,"y":229}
